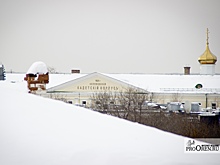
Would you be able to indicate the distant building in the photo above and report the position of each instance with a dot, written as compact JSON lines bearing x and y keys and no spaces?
{"x":2,"y":72}
{"x":202,"y":89}
{"x":163,"y":88}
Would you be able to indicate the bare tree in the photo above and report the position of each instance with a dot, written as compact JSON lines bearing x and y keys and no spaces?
{"x":102,"y":100}
{"x":176,"y":97}
{"x":133,"y":100}
{"x":125,"y":104}
{"x":51,"y":69}
{"x":58,"y":97}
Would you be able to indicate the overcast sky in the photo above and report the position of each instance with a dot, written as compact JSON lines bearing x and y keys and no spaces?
{"x":109,"y":36}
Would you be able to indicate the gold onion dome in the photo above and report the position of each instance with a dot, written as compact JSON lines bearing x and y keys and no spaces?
{"x":207,"y":57}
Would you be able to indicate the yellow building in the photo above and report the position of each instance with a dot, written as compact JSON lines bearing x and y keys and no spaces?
{"x":164,"y":87}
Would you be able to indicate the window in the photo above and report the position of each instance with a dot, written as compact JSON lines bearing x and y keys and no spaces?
{"x":213,"y":105}
{"x":198,"y":86}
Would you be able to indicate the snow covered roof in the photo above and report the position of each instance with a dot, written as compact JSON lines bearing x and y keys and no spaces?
{"x":171,"y":82}
{"x":151,"y":82}
{"x":38,"y":68}
{"x":36,"y":130}
{"x":167,"y":83}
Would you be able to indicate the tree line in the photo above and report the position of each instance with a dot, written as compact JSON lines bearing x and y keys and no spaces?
{"x":131,"y":105}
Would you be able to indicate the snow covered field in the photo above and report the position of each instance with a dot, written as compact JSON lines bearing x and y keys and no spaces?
{"x":41,"y":131}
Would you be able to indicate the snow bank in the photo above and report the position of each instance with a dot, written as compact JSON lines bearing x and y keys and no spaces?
{"x":14,"y":82}
{"x":38,"y":67}
{"x":36,"y":130}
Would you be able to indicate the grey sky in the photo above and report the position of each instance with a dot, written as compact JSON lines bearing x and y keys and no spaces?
{"x":111,"y":36}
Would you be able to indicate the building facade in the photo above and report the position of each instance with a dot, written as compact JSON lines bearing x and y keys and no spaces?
{"x":159,"y":88}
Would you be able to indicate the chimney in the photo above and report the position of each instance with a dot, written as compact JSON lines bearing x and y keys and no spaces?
{"x":75,"y":71}
{"x":186,"y":70}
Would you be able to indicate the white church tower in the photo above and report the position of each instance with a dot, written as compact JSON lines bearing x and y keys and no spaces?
{"x":207,"y":60}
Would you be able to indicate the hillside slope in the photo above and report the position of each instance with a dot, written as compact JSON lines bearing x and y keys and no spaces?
{"x":36,"y":130}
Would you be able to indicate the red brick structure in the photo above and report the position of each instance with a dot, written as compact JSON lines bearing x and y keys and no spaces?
{"x":37,"y":77}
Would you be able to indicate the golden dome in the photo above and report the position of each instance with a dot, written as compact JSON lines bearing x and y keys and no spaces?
{"x":207,"y":57}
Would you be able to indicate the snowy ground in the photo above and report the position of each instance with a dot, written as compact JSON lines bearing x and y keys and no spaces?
{"x":41,"y":131}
